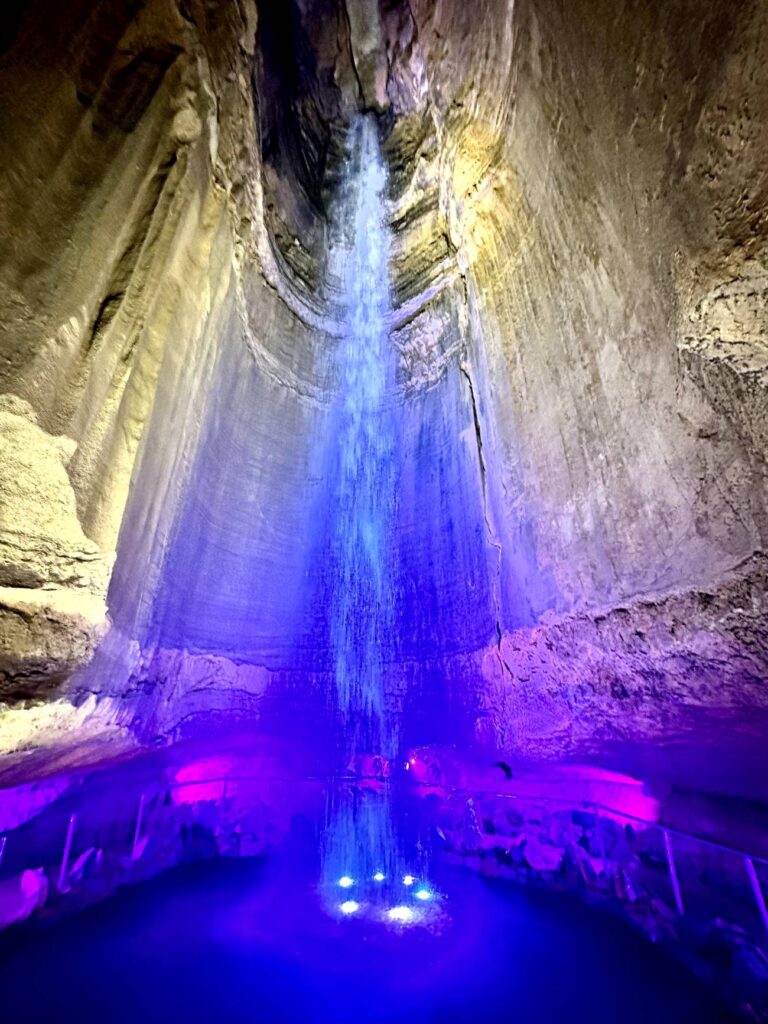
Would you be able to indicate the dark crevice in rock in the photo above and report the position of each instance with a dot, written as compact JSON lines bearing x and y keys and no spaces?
{"x":127,"y":277}
{"x":301,"y":110}
{"x":492,"y":538}
{"x":360,"y":93}
{"x":107,"y":310}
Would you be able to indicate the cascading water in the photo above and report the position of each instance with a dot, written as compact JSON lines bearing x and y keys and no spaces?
{"x":362,"y":613}
{"x":360,"y":849}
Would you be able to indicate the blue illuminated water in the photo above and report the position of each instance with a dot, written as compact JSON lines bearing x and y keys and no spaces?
{"x":230,"y":940}
{"x":362,"y":619}
{"x":360,"y":839}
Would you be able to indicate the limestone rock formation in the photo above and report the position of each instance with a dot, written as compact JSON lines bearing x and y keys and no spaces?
{"x":41,"y":540}
{"x":53,"y":579}
{"x":649,"y":669}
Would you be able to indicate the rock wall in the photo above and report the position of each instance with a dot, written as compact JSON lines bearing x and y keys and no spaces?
{"x":143,"y":269}
{"x":596,"y":183}
{"x":587,"y":178}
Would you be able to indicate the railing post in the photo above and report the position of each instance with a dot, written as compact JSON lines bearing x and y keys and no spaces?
{"x":66,"y":853}
{"x":137,"y":830}
{"x":673,"y":873}
{"x":600,"y":841}
{"x":757,"y":891}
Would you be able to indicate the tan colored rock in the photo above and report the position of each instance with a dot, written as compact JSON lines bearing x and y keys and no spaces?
{"x":69,"y":736}
{"x":44,"y":636}
{"x":41,"y":540}
{"x":53,"y":579}
{"x":368,"y":51}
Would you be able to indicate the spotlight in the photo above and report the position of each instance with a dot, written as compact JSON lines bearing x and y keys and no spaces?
{"x":345,"y":881}
{"x":403,"y":915}
{"x":423,"y":894}
{"x":408,"y":880}
{"x":349,"y":907}
{"x":379,"y":876}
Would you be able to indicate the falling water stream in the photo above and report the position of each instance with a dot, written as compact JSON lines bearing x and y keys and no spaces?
{"x":362,"y":614}
{"x":361,"y":852}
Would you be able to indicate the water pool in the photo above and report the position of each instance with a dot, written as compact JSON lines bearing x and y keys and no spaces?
{"x":241,"y":940}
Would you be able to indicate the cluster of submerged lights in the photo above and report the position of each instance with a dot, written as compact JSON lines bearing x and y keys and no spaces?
{"x":401,"y":914}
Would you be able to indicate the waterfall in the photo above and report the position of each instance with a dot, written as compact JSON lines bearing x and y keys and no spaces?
{"x":360,"y":843}
{"x":362,"y":606}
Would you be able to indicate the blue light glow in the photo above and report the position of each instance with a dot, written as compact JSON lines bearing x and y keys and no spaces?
{"x":408,"y":880}
{"x":346,"y":882}
{"x":349,"y":907}
{"x":423,"y":894}
{"x":379,"y":876}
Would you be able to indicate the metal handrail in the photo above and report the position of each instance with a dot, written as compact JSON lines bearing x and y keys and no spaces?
{"x":592,"y":806}
{"x":462,"y":790}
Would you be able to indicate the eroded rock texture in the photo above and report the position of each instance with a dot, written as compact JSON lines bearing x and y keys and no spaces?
{"x":578,"y":200}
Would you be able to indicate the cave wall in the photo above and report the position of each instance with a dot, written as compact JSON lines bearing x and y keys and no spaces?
{"x":168,"y":317}
{"x":124,"y":299}
{"x":588,"y":177}
{"x":597,"y":183}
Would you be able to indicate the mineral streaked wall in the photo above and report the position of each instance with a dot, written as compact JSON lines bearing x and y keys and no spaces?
{"x":597,"y":181}
{"x":124,"y":281}
{"x":180,"y":333}
{"x":579,"y":199}
{"x":568,"y":162}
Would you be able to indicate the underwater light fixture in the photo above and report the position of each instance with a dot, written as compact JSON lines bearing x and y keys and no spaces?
{"x":349,"y":907}
{"x":346,"y":882}
{"x":379,"y":876}
{"x":408,"y":880}
{"x":423,"y":894}
{"x":403,"y":915}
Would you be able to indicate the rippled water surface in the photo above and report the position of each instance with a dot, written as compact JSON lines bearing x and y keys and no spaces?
{"x":245,"y":941}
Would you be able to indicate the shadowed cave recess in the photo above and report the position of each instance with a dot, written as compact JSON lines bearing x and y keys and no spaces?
{"x":383,"y":441}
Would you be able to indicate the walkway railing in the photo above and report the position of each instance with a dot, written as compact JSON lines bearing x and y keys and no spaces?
{"x":162,"y":806}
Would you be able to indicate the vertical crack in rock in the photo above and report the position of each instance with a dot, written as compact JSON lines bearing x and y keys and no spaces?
{"x":352,"y":61}
{"x":493,"y":540}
